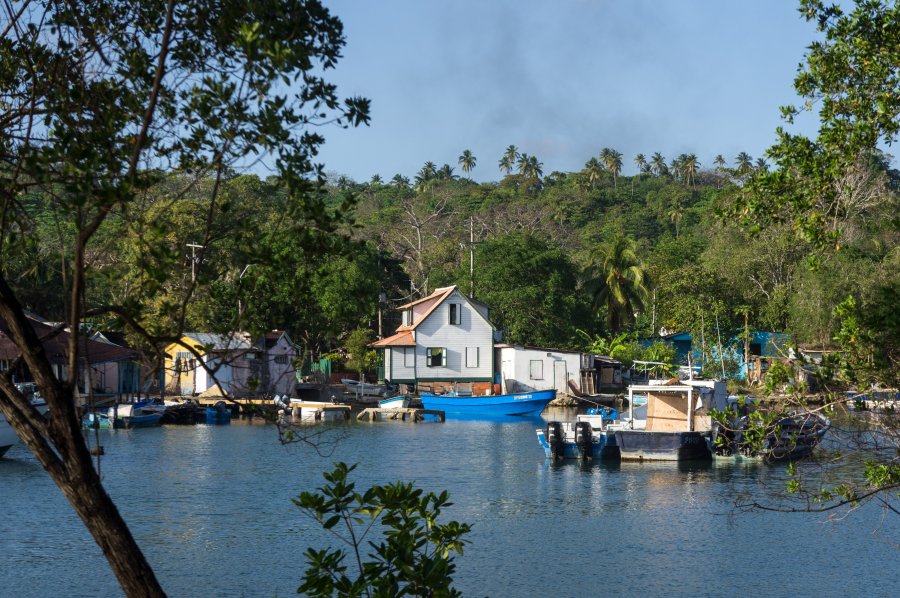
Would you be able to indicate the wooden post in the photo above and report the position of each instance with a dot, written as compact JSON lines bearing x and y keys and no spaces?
{"x":690,"y":410}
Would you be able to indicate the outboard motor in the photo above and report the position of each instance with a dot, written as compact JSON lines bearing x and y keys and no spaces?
{"x":556,"y":440}
{"x":584,"y":440}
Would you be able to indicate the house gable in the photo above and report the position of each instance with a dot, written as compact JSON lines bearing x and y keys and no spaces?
{"x":449,"y":339}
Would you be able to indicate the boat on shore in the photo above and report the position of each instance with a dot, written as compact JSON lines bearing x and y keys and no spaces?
{"x":398,"y":402}
{"x":364,"y":392}
{"x":522,"y":403}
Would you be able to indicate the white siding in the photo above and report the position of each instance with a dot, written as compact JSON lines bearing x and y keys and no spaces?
{"x":516,"y":367}
{"x":282,"y":377}
{"x":472,"y":331}
{"x":397,"y":370}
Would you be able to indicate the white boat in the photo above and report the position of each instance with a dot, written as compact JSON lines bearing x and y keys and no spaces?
{"x":676,"y":426}
{"x":398,"y":402}
{"x":8,"y":436}
{"x":364,"y":389}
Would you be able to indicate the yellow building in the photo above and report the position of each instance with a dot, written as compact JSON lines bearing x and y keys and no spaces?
{"x":230,"y":360}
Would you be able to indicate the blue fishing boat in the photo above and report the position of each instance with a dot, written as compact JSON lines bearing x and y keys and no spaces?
{"x":585,"y":439}
{"x":522,"y":403}
{"x":218,"y":413}
{"x":143,"y":420}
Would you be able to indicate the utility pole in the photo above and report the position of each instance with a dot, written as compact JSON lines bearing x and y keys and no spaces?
{"x":240,"y":277}
{"x":194,"y":247}
{"x":382,"y":299}
{"x":471,"y":257}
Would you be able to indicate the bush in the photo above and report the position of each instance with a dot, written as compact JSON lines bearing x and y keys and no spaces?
{"x":413,"y":557}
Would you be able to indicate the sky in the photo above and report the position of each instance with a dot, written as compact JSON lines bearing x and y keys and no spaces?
{"x":561,"y":80}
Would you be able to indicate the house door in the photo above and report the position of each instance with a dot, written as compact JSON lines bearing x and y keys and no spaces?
{"x":507,"y":372}
{"x":560,"y":377}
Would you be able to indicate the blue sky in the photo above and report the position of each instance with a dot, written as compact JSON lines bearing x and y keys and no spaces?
{"x":561,"y":80}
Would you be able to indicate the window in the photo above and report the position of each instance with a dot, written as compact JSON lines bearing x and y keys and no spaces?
{"x":455,"y":314}
{"x":536,"y":369}
{"x":409,"y":357}
{"x":436,"y":357}
{"x":407,"y":317}
{"x":471,"y":357}
{"x":184,"y":361}
{"x":281,"y":359}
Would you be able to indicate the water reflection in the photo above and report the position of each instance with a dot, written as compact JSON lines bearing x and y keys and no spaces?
{"x":211,"y":505}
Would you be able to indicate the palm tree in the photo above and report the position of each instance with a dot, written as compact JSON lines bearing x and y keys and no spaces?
{"x":619,"y":281}
{"x":658,"y":164}
{"x":594,"y":171}
{"x":467,"y":161}
{"x":535,"y":169}
{"x":446,"y":173}
{"x":676,"y":213}
{"x":522,"y":163}
{"x":744,"y":163}
{"x":531,"y":169}
{"x":376,"y":180}
{"x":675,"y":167}
{"x":427,"y":174}
{"x":508,"y":161}
{"x":689,"y":167}
{"x":761,"y":165}
{"x":612,"y":160}
{"x":719,"y":161}
{"x":639,"y":162}
{"x":400,"y":181}
{"x":429,"y":170}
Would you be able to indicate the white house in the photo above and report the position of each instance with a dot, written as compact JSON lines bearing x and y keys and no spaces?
{"x":526,"y":369}
{"x":445,"y":338}
{"x":277,"y":372}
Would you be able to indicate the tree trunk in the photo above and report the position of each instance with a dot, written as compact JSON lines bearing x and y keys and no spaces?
{"x":102,"y":519}
{"x":72,"y":469}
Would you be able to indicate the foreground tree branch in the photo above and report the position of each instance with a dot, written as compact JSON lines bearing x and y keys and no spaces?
{"x":91,"y":118}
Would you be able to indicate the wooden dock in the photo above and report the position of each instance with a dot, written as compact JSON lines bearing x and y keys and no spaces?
{"x":400,"y":413}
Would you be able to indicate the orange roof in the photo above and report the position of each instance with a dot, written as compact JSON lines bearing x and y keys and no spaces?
{"x":437,"y":296}
{"x":401,"y":339}
{"x":436,"y":293}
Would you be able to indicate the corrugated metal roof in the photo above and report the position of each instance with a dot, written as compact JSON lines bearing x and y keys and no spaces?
{"x":221,"y":342}
{"x":56,"y":345}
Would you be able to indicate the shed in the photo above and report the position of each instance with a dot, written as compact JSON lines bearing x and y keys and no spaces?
{"x":526,"y":369}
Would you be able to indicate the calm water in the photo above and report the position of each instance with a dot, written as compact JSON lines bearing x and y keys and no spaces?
{"x":211,"y":508}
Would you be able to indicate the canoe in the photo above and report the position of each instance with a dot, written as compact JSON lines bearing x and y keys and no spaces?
{"x":522,"y":403}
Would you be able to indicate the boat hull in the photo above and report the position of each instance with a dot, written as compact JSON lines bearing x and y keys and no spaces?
{"x":7,"y":436}
{"x":641,"y":445}
{"x":147,"y":420}
{"x":394,"y":403}
{"x":525,"y":403}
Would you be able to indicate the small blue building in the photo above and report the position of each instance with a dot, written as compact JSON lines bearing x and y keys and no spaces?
{"x":763,"y":343}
